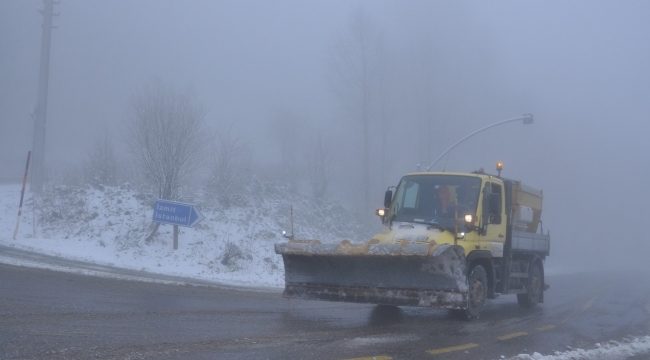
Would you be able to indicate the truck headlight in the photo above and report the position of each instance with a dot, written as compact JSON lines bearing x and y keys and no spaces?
{"x":380,"y":212}
{"x":469,"y":222}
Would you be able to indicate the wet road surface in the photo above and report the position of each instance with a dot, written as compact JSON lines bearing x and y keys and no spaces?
{"x":46,"y":314}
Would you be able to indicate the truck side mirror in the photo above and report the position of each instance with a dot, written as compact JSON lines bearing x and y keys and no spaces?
{"x":388,"y":198}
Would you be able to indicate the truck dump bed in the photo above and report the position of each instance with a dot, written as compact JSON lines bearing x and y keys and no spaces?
{"x":525,"y":214}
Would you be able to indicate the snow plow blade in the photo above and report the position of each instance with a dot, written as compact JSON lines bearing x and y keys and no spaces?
{"x":428,"y":275}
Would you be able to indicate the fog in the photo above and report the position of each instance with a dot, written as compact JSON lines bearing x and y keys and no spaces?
{"x":440,"y":71}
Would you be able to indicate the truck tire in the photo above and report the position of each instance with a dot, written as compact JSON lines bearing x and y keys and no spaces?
{"x":534,"y":289}
{"x":478,"y":286}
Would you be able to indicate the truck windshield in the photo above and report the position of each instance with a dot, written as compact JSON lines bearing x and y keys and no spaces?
{"x":435,"y":199}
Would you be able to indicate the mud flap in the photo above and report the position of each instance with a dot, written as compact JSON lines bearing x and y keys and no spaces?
{"x":407,"y":275}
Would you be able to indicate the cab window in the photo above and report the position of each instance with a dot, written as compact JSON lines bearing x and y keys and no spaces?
{"x":495,"y":215}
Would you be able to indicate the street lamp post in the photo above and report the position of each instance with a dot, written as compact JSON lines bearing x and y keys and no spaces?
{"x":527,"y":119}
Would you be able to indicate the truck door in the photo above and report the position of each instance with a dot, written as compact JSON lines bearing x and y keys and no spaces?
{"x":495,"y":234}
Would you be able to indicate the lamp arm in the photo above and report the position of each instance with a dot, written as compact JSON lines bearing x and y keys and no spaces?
{"x":528,"y":118}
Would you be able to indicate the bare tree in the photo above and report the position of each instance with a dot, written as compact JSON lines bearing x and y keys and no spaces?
{"x":387,"y":94}
{"x":231,"y":157}
{"x":354,"y":62}
{"x":287,"y":129}
{"x":101,"y":166}
{"x":320,"y":165}
{"x":167,"y":137}
{"x":427,"y":99}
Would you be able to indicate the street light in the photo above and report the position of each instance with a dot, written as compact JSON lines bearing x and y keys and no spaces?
{"x":527,"y":119}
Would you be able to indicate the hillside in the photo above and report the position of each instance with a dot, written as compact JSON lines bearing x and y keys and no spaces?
{"x":233,"y":244}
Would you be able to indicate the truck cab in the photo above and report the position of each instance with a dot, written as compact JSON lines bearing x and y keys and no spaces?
{"x":494,"y":220}
{"x":456,"y":208}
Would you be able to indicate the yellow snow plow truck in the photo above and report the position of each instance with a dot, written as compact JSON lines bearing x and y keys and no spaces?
{"x":449,"y":240}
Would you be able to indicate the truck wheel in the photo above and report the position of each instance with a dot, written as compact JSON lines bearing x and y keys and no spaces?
{"x":534,"y":289}
{"x":478,"y":286}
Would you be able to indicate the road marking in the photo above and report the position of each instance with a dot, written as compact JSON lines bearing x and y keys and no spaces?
{"x":373,"y":358}
{"x":512,"y":336}
{"x":451,"y":349}
{"x":546,"y":327}
{"x":589,"y":303}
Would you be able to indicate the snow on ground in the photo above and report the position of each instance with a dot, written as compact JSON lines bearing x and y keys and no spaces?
{"x":612,"y":350}
{"x":108,"y":225}
{"x":97,"y":273}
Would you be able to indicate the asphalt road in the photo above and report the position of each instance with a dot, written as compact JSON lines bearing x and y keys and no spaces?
{"x":46,"y":314}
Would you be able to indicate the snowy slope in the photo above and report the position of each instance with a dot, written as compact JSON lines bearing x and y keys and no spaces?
{"x":108,"y":225}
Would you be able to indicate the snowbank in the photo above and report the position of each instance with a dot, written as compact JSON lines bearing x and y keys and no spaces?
{"x":610,"y":350}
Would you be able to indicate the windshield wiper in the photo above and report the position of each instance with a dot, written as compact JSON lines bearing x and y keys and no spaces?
{"x":436,"y":226}
{"x":431,"y":224}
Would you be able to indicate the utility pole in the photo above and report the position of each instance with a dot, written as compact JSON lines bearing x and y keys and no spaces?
{"x":38,"y":165}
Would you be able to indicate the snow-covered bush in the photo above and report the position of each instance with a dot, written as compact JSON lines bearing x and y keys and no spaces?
{"x":64,"y":209}
{"x":100,"y":169}
{"x":229,"y":168}
{"x":231,"y":254}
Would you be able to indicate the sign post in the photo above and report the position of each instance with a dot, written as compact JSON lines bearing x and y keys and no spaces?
{"x":177,"y":214}
{"x":175,"y":237}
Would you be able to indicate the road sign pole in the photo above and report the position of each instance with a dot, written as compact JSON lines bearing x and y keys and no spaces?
{"x":175,"y":237}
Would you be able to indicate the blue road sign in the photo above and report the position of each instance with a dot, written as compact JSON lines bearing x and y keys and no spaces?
{"x":176,"y":213}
